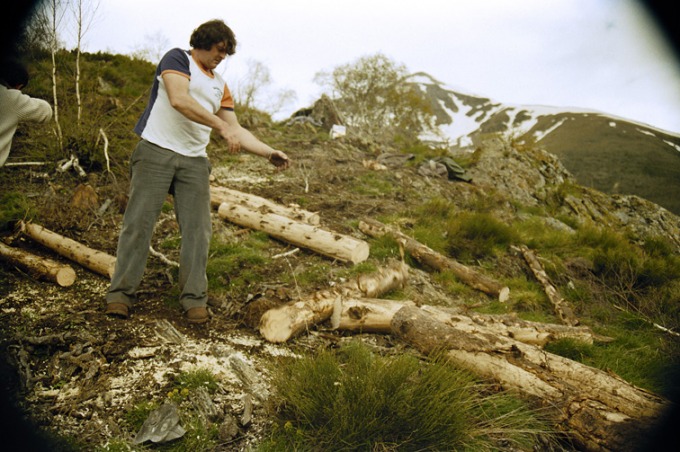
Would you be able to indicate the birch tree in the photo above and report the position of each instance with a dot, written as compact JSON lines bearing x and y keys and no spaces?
{"x":54,"y":13}
{"x":84,"y":16}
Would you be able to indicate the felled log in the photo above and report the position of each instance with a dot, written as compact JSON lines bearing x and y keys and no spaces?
{"x":535,"y":333}
{"x":218,"y":195}
{"x":562,"y":308}
{"x":431,"y":258}
{"x":44,"y":268}
{"x":94,"y":260}
{"x":367,"y":315}
{"x":385,"y":279}
{"x":327,"y":243}
{"x":375,"y":316}
{"x":284,"y":322}
{"x":600,"y":410}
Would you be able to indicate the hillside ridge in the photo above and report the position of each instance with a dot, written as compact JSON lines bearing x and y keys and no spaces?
{"x":640,"y":159}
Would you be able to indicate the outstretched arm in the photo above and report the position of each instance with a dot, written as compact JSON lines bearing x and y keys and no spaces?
{"x":251,"y":143}
{"x":31,"y":109}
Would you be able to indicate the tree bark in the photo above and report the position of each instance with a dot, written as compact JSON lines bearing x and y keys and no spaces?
{"x":96,"y":261}
{"x":218,"y":195}
{"x":431,"y":258}
{"x":371,"y":285}
{"x":562,"y":308}
{"x":375,"y":315}
{"x":600,"y":410}
{"x":284,"y":322}
{"x":367,"y":315}
{"x":331,"y":244}
{"x":44,"y":268}
{"x":509,"y":325}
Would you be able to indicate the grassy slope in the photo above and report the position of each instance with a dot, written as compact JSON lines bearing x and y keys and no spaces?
{"x":618,"y":159}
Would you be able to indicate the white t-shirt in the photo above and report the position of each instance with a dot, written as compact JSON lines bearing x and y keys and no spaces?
{"x":166,"y":127}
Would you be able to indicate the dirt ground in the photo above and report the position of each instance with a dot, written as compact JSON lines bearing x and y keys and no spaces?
{"x":77,"y":372}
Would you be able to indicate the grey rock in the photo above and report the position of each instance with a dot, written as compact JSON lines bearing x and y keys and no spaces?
{"x":161,"y":426}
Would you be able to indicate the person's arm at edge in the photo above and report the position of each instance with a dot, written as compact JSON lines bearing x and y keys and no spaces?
{"x":32,"y":109}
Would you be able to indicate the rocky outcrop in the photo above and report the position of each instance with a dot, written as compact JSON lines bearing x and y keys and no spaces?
{"x":533,"y":177}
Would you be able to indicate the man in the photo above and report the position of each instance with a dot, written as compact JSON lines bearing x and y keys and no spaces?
{"x":188,"y":100}
{"x":16,"y":106}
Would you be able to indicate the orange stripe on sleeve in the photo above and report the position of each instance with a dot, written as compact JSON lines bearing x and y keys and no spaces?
{"x":171,"y":71}
{"x":227,"y":99}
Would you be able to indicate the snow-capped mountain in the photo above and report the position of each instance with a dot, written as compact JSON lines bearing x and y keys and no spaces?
{"x":609,"y":153}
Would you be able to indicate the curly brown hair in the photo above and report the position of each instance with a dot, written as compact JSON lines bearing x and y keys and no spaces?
{"x":213,"y":32}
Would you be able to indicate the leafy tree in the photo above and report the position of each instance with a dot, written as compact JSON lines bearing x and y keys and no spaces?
{"x":376,"y":100}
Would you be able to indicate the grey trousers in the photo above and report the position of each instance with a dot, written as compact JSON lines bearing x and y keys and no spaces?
{"x":155,"y":172}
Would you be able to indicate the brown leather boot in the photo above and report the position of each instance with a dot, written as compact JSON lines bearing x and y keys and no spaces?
{"x":119,"y":310}
{"x":197,"y":315}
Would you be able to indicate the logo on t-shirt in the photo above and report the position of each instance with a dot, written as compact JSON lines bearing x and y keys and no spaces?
{"x":217,"y":93}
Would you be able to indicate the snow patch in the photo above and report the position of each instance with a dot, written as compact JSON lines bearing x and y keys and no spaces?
{"x":538,"y":136}
{"x":673,"y":145}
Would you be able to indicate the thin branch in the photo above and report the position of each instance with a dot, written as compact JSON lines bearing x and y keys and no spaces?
{"x":286,"y":254}
{"x":106,"y":147}
{"x":305,"y":176}
{"x":162,"y":257}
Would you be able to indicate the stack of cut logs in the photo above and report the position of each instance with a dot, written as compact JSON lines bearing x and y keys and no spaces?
{"x":49,"y":269}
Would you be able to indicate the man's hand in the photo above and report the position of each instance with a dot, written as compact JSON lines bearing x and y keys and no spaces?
{"x":279,"y":159}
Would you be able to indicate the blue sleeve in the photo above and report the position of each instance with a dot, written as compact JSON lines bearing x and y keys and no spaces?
{"x":175,"y":60}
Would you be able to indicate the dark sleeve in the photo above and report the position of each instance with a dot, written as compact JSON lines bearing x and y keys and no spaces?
{"x":176,"y":60}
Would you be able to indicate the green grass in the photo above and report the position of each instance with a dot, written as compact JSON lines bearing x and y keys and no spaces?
{"x":464,"y":235}
{"x":361,"y":268}
{"x":534,"y":233}
{"x":372,"y":184}
{"x":383,"y":248}
{"x":616,"y":282}
{"x":197,"y":378}
{"x":353,"y":399}
{"x":235,"y":266}
{"x":453,"y":286}
{"x":13,"y":208}
{"x":308,"y":275}
{"x":135,"y":417}
{"x":199,"y":436}
{"x":639,"y":354}
{"x":114,"y":90}
{"x":629,"y":283}
{"x":473,"y":236}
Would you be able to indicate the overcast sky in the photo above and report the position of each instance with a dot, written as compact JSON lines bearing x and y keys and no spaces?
{"x":604,"y":55}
